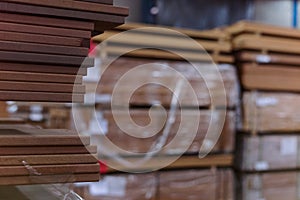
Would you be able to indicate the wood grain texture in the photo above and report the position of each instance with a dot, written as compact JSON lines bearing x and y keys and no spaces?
{"x":76,"y":5}
{"x":60,"y":13}
{"x":46,"y":21}
{"x":41,"y":87}
{"x":40,"y":39}
{"x":40,"y":137}
{"x":49,"y":169}
{"x":39,"y":77}
{"x":38,"y":58}
{"x":270,"y":77}
{"x":43,"y":30}
{"x":43,"y":48}
{"x":50,"y":69}
{"x":47,"y":150}
{"x":47,"y":159}
{"x":30,"y":180}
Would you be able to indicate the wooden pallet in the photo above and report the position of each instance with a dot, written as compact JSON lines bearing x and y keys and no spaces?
{"x":243,"y":27}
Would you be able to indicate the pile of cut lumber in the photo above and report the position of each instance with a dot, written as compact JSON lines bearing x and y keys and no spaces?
{"x":44,"y":43}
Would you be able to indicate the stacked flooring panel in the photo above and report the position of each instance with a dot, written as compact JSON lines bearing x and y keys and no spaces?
{"x":31,"y":155}
{"x":43,"y":56}
{"x":268,"y":145}
{"x":44,"y":43}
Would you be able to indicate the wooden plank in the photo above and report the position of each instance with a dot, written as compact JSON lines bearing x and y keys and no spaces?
{"x":159,"y":54}
{"x":266,"y":44}
{"x":159,"y":41}
{"x":270,"y":77}
{"x":214,"y":34}
{"x":40,"y":48}
{"x":47,"y":150}
{"x":39,"y":77}
{"x":43,"y":30}
{"x":46,"y":21}
{"x":29,"y":180}
{"x":48,"y":159}
{"x":45,"y":58}
{"x":110,"y":2}
{"x":263,"y":29}
{"x":40,"y":39}
{"x":50,"y":169}
{"x":258,"y":57}
{"x":41,"y":87}
{"x":50,"y":69}
{"x":77,"y":5}
{"x":225,"y":160}
{"x":39,"y":137}
{"x":41,"y":97}
{"x":61,"y":13}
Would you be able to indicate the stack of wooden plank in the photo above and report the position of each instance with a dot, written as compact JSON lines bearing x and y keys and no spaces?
{"x":31,"y":155}
{"x":44,"y":43}
{"x":268,"y":63}
{"x":215,"y":42}
{"x":205,"y":184}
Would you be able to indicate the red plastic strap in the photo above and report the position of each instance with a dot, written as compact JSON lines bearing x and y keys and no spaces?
{"x":92,"y":47}
{"x":103,"y":167}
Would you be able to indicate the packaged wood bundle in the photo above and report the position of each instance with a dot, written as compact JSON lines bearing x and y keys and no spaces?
{"x":121,"y":186}
{"x":203,"y":85}
{"x":206,"y":184}
{"x":151,"y":42}
{"x":43,"y":45}
{"x":270,"y":185}
{"x":137,"y":135}
{"x":270,"y":112}
{"x":267,"y":152}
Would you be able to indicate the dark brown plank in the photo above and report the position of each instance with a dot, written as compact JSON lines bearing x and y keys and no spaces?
{"x":74,"y":14}
{"x":51,"y":69}
{"x":40,"y":39}
{"x":76,"y":5}
{"x":47,"y":159}
{"x":43,"y":30}
{"x":39,"y":137}
{"x":41,"y":48}
{"x":39,"y":77}
{"x":25,"y":180}
{"x":47,"y":150}
{"x":41,"y":87}
{"x":40,"y":97}
{"x":50,"y":169}
{"x":46,"y":21}
{"x":45,"y":58}
{"x":110,"y":2}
